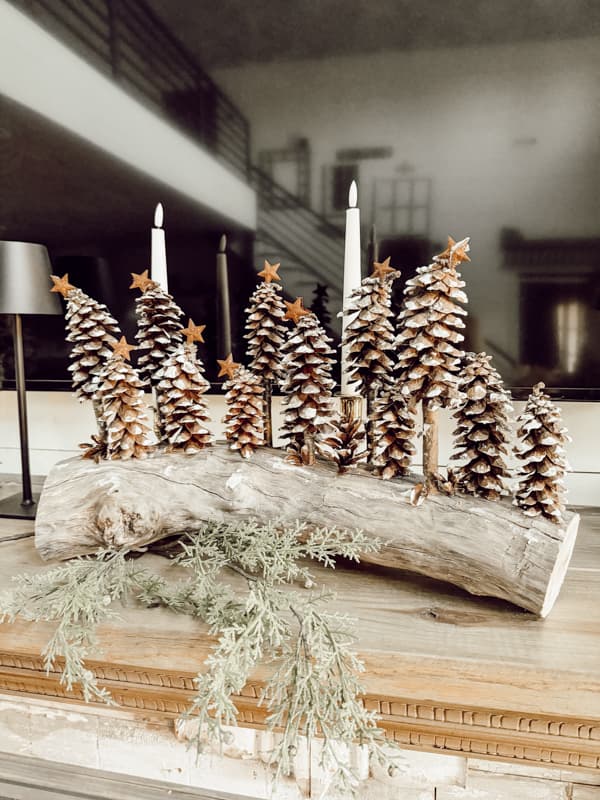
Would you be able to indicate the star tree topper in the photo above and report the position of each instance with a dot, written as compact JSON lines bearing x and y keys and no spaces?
{"x":456,"y":252}
{"x":141,"y":280}
{"x":62,"y":285}
{"x":269,"y":272}
{"x":227,"y":366}
{"x":382,"y":268}
{"x":193,"y":333}
{"x":295,"y":310}
{"x":122,"y":349}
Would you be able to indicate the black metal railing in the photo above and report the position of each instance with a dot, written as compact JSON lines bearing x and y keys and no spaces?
{"x":128,"y":42}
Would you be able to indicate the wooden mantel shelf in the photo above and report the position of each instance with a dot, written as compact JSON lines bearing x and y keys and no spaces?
{"x":447,"y":671}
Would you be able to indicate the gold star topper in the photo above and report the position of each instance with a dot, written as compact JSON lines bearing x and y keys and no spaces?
{"x":193,"y":333}
{"x":269,"y":272}
{"x":122,"y":349}
{"x":295,"y":310}
{"x":62,"y":285}
{"x":141,"y":280}
{"x":381,"y":269}
{"x":227,"y":366}
{"x":456,"y":252}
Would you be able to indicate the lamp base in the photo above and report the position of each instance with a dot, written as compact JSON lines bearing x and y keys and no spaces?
{"x":12,"y":507}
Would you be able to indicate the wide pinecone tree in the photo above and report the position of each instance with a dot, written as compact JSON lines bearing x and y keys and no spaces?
{"x":541,"y":491}
{"x":159,"y":331}
{"x":392,"y":425}
{"x":180,"y":391}
{"x":120,"y":390}
{"x":483,"y":430}
{"x":307,"y":386}
{"x":369,"y":339}
{"x":428,"y":344}
{"x":245,"y":419}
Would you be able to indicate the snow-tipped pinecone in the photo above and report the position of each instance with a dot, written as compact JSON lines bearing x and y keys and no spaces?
{"x":345,"y":445}
{"x":541,"y":491}
{"x":244,"y":420}
{"x":308,"y":386}
{"x":180,"y":391}
{"x":429,"y":355}
{"x":483,"y":430}
{"x":369,"y":335}
{"x":266,"y":331}
{"x":159,"y":330}
{"x":91,"y":328}
{"x":392,"y":425}
{"x":128,"y":428}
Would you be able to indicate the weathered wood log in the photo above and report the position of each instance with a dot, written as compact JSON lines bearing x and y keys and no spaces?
{"x":486,"y":548}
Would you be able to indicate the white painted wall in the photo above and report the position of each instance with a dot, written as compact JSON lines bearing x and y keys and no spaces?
{"x":58,"y":422}
{"x":457,"y":116}
{"x":39,"y":72}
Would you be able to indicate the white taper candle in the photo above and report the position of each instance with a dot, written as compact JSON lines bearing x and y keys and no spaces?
{"x":158,"y":251}
{"x":352,"y":275}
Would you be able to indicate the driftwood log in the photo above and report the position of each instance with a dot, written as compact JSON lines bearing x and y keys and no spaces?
{"x":486,"y":548}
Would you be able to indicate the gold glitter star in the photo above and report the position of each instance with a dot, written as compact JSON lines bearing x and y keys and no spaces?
{"x":269,"y":273}
{"x":61,"y":285}
{"x":295,"y":310}
{"x":227,"y":366}
{"x":193,"y":333}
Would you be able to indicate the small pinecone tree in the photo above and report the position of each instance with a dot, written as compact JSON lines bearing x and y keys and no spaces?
{"x":307,"y":386}
{"x":91,"y":329}
{"x":244,"y":420}
{"x":346,"y":445}
{"x":369,"y":335}
{"x":129,"y":431}
{"x":159,"y":329}
{"x":392,"y":424}
{"x":265,"y":327}
{"x":483,"y":430}
{"x":541,"y":491}
{"x":180,"y":391}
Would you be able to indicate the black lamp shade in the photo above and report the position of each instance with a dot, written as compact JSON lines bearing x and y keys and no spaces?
{"x":25,"y":284}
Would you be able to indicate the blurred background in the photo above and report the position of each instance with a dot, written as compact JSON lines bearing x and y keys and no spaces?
{"x":475,"y":117}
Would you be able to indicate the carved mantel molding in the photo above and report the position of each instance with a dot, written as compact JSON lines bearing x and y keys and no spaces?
{"x":442,"y":728}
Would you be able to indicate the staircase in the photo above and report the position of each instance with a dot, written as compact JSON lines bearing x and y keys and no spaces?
{"x":309,"y":247}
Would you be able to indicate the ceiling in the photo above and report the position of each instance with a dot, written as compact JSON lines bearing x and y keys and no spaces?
{"x":234,"y":32}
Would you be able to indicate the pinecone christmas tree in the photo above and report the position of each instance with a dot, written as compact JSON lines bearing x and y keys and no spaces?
{"x":244,"y":420}
{"x":307,"y":385}
{"x":266,"y":336}
{"x":542,"y":437}
{"x":346,"y":445}
{"x":392,"y":424}
{"x":91,"y":329}
{"x":159,"y":326}
{"x":180,"y":394}
{"x":129,"y":432}
{"x":429,"y":354}
{"x":483,"y":430}
{"x":369,"y":340}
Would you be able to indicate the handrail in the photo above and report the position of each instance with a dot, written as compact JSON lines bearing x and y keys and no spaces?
{"x":131,"y":45}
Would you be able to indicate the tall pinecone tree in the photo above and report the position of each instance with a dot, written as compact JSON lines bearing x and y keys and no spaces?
{"x":180,"y":391}
{"x":244,"y":420}
{"x":392,"y":424}
{"x":159,"y":326}
{"x":308,"y":386}
{"x":541,"y":491}
{"x":129,"y":432}
{"x":91,"y":329}
{"x":428,"y":344}
{"x":483,"y":430}
{"x":266,"y":336}
{"x":369,"y":339}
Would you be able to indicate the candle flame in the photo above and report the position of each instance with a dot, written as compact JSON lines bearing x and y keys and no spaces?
{"x":222,"y":244}
{"x":353,"y":195}
{"x":158,"y":216}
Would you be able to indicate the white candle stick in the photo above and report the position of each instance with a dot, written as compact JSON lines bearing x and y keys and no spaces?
{"x":352,"y":276}
{"x":158,"y":259}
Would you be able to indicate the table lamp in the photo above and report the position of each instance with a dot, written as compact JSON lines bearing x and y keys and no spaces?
{"x":24,"y":289}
